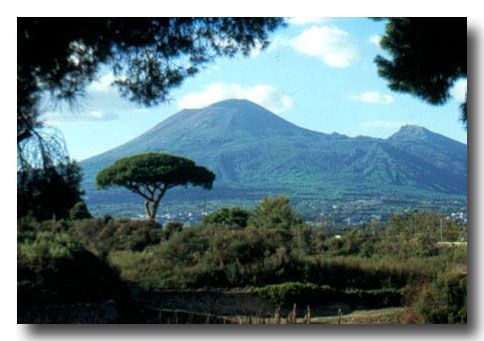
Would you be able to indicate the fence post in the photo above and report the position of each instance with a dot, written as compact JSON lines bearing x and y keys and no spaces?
{"x":277,"y":315}
{"x":308,"y":315}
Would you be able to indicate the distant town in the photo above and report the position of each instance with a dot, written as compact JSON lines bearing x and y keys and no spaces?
{"x":351,"y":213}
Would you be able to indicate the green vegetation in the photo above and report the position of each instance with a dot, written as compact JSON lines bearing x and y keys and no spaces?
{"x":444,"y":300}
{"x":379,"y":316}
{"x":303,"y":294}
{"x":48,"y":192}
{"x":79,"y":211}
{"x":150,"y":175}
{"x":43,"y":246}
{"x":55,"y":270}
{"x":235,"y":217}
{"x":294,"y":292}
{"x":102,"y":236}
{"x":73,"y":268}
{"x":171,"y":228}
{"x":427,"y":55}
{"x":375,"y":266}
{"x":274,"y":213}
{"x":275,"y":256}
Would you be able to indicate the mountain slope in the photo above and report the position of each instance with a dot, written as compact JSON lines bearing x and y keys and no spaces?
{"x":254,"y":151}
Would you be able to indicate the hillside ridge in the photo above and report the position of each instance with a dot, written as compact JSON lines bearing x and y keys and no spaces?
{"x":251,"y":149}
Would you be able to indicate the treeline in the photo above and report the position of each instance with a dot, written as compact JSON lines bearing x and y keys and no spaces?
{"x":400,"y":260}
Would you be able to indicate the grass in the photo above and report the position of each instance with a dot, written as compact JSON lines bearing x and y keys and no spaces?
{"x":377,"y":316}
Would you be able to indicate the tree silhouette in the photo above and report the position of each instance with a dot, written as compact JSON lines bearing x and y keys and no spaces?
{"x":48,"y":192}
{"x":427,"y":55}
{"x":152,"y":174}
{"x":59,"y":57}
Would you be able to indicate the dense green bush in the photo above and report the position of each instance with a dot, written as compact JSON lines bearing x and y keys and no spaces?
{"x":171,"y":228}
{"x":444,"y":300}
{"x":234,"y":217}
{"x":194,"y":256}
{"x":53,"y":268}
{"x":42,"y":247}
{"x":355,"y":243}
{"x":219,"y":256}
{"x":289,"y":293}
{"x":374,"y":299}
{"x":79,"y":211}
{"x":27,"y":227}
{"x":48,"y":192}
{"x":102,"y":236}
{"x":274,"y":213}
{"x":416,"y":234}
{"x":404,"y":236}
{"x":288,"y":260}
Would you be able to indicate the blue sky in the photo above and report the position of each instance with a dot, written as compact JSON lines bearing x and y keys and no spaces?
{"x":318,"y":73}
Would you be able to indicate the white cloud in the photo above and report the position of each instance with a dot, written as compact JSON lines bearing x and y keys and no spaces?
{"x":459,"y":90}
{"x":331,"y":44}
{"x":375,"y":39}
{"x":277,"y":41}
{"x":306,"y":20}
{"x":373,"y":97}
{"x":263,"y":94}
{"x":94,"y":115}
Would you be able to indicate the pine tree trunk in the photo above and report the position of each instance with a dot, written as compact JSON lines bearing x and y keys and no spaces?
{"x":151,"y":209}
{"x":149,"y":212}
{"x":154,"y":209}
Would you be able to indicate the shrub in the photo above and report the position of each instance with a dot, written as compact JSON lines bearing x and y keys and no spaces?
{"x":443,"y":301}
{"x":48,"y":192}
{"x":258,"y":256}
{"x":235,"y":217}
{"x":250,"y":256}
{"x":79,"y":211}
{"x":37,"y":249}
{"x":302,"y":240}
{"x":171,"y":228}
{"x":54,"y":269}
{"x":377,"y":298}
{"x":102,"y":236}
{"x":289,"y":293}
{"x":416,"y":234}
{"x":274,"y":213}
{"x":356,"y":242}
{"x":225,"y":256}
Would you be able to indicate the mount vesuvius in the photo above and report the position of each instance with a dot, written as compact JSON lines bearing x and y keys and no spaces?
{"x":254,"y":152}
